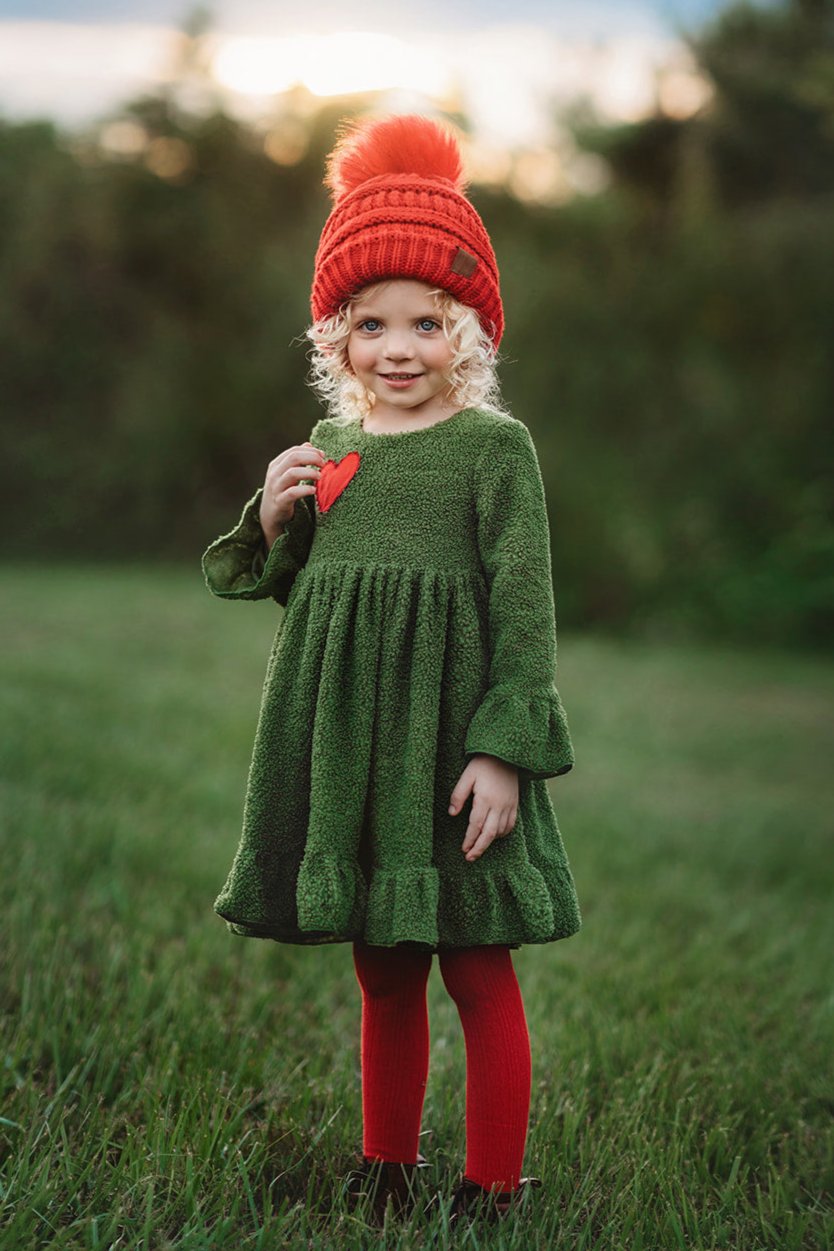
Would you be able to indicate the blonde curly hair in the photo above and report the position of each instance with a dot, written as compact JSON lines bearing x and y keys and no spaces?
{"x":472,"y":373}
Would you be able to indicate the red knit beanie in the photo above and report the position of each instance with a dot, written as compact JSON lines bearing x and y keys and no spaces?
{"x":399,"y":212}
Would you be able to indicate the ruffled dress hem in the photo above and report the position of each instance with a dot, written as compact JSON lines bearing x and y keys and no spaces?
{"x":509,"y":905}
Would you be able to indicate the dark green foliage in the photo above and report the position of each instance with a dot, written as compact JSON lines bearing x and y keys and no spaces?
{"x":668,"y":341}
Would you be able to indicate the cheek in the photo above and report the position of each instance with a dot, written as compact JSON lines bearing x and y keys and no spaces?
{"x":440,"y":357}
{"x":360,"y":355}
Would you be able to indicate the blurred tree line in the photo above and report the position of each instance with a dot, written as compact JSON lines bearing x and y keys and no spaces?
{"x":668,"y":339}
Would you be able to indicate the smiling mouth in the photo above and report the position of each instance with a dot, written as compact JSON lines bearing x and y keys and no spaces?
{"x":400,"y":377}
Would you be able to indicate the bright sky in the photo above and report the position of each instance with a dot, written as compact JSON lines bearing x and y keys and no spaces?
{"x":509,"y":68}
{"x":584,"y":14}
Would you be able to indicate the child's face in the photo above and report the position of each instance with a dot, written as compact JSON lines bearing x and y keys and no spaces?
{"x":396,"y":331}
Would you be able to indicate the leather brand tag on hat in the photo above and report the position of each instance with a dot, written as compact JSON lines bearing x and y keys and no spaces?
{"x":464,"y":263}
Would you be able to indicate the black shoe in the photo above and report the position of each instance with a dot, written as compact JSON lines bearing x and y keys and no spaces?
{"x":376,"y":1181}
{"x":471,"y":1201}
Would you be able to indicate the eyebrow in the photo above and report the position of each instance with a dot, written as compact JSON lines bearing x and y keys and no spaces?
{"x":363,"y":313}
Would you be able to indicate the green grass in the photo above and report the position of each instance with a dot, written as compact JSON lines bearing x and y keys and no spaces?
{"x":160,"y":1073}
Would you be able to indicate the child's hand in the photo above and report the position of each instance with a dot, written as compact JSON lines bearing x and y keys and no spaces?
{"x":495,"y":802}
{"x":282,"y":486}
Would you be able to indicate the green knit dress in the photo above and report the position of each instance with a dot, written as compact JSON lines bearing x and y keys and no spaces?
{"x":418,"y":629}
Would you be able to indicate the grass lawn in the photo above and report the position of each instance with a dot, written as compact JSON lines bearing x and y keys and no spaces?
{"x":169,"y":1085}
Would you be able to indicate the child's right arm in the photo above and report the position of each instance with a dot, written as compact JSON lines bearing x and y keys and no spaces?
{"x":283,"y":486}
{"x":261,"y":556}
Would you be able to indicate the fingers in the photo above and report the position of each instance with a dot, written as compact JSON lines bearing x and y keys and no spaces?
{"x":487,"y":820}
{"x":286,"y":470}
{"x":477,"y":840}
{"x":497,"y":823}
{"x":462,"y":791}
{"x":299,"y":456}
{"x":458,"y":798}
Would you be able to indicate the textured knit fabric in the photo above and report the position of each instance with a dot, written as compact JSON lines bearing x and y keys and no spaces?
{"x":399,"y":212}
{"x":484,"y":986}
{"x":418,"y":630}
{"x":394,"y":1048}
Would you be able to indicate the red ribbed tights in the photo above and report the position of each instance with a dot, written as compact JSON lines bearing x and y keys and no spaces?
{"x":395,"y":1055}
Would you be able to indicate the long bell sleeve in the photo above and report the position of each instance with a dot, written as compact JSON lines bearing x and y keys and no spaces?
{"x":520,"y":718}
{"x":237,"y":565}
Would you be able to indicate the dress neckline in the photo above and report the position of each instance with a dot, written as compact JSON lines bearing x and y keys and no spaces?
{"x":402,"y":434}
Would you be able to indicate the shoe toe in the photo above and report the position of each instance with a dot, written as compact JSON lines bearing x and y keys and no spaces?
{"x":471,"y":1200}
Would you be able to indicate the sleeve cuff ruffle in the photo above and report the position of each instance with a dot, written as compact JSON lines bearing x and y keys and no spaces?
{"x":238,"y":566}
{"x":529,"y":732}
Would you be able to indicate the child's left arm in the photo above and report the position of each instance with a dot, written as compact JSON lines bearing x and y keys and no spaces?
{"x":520,"y":719}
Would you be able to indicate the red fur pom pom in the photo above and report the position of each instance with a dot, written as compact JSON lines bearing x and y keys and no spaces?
{"x":406,"y":144}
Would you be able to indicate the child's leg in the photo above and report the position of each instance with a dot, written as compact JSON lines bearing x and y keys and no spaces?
{"x":395,"y":1048}
{"x":483,"y":984}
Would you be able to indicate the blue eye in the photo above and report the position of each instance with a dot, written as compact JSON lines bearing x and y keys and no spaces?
{"x":370,"y":323}
{"x":428,"y":323}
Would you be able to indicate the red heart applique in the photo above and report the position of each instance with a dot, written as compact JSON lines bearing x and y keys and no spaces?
{"x":333,"y":479}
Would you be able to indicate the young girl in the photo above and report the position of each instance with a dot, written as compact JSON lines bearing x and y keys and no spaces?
{"x":397,"y":797}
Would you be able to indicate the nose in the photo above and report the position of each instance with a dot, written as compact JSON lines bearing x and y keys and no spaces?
{"x":397,"y":347}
